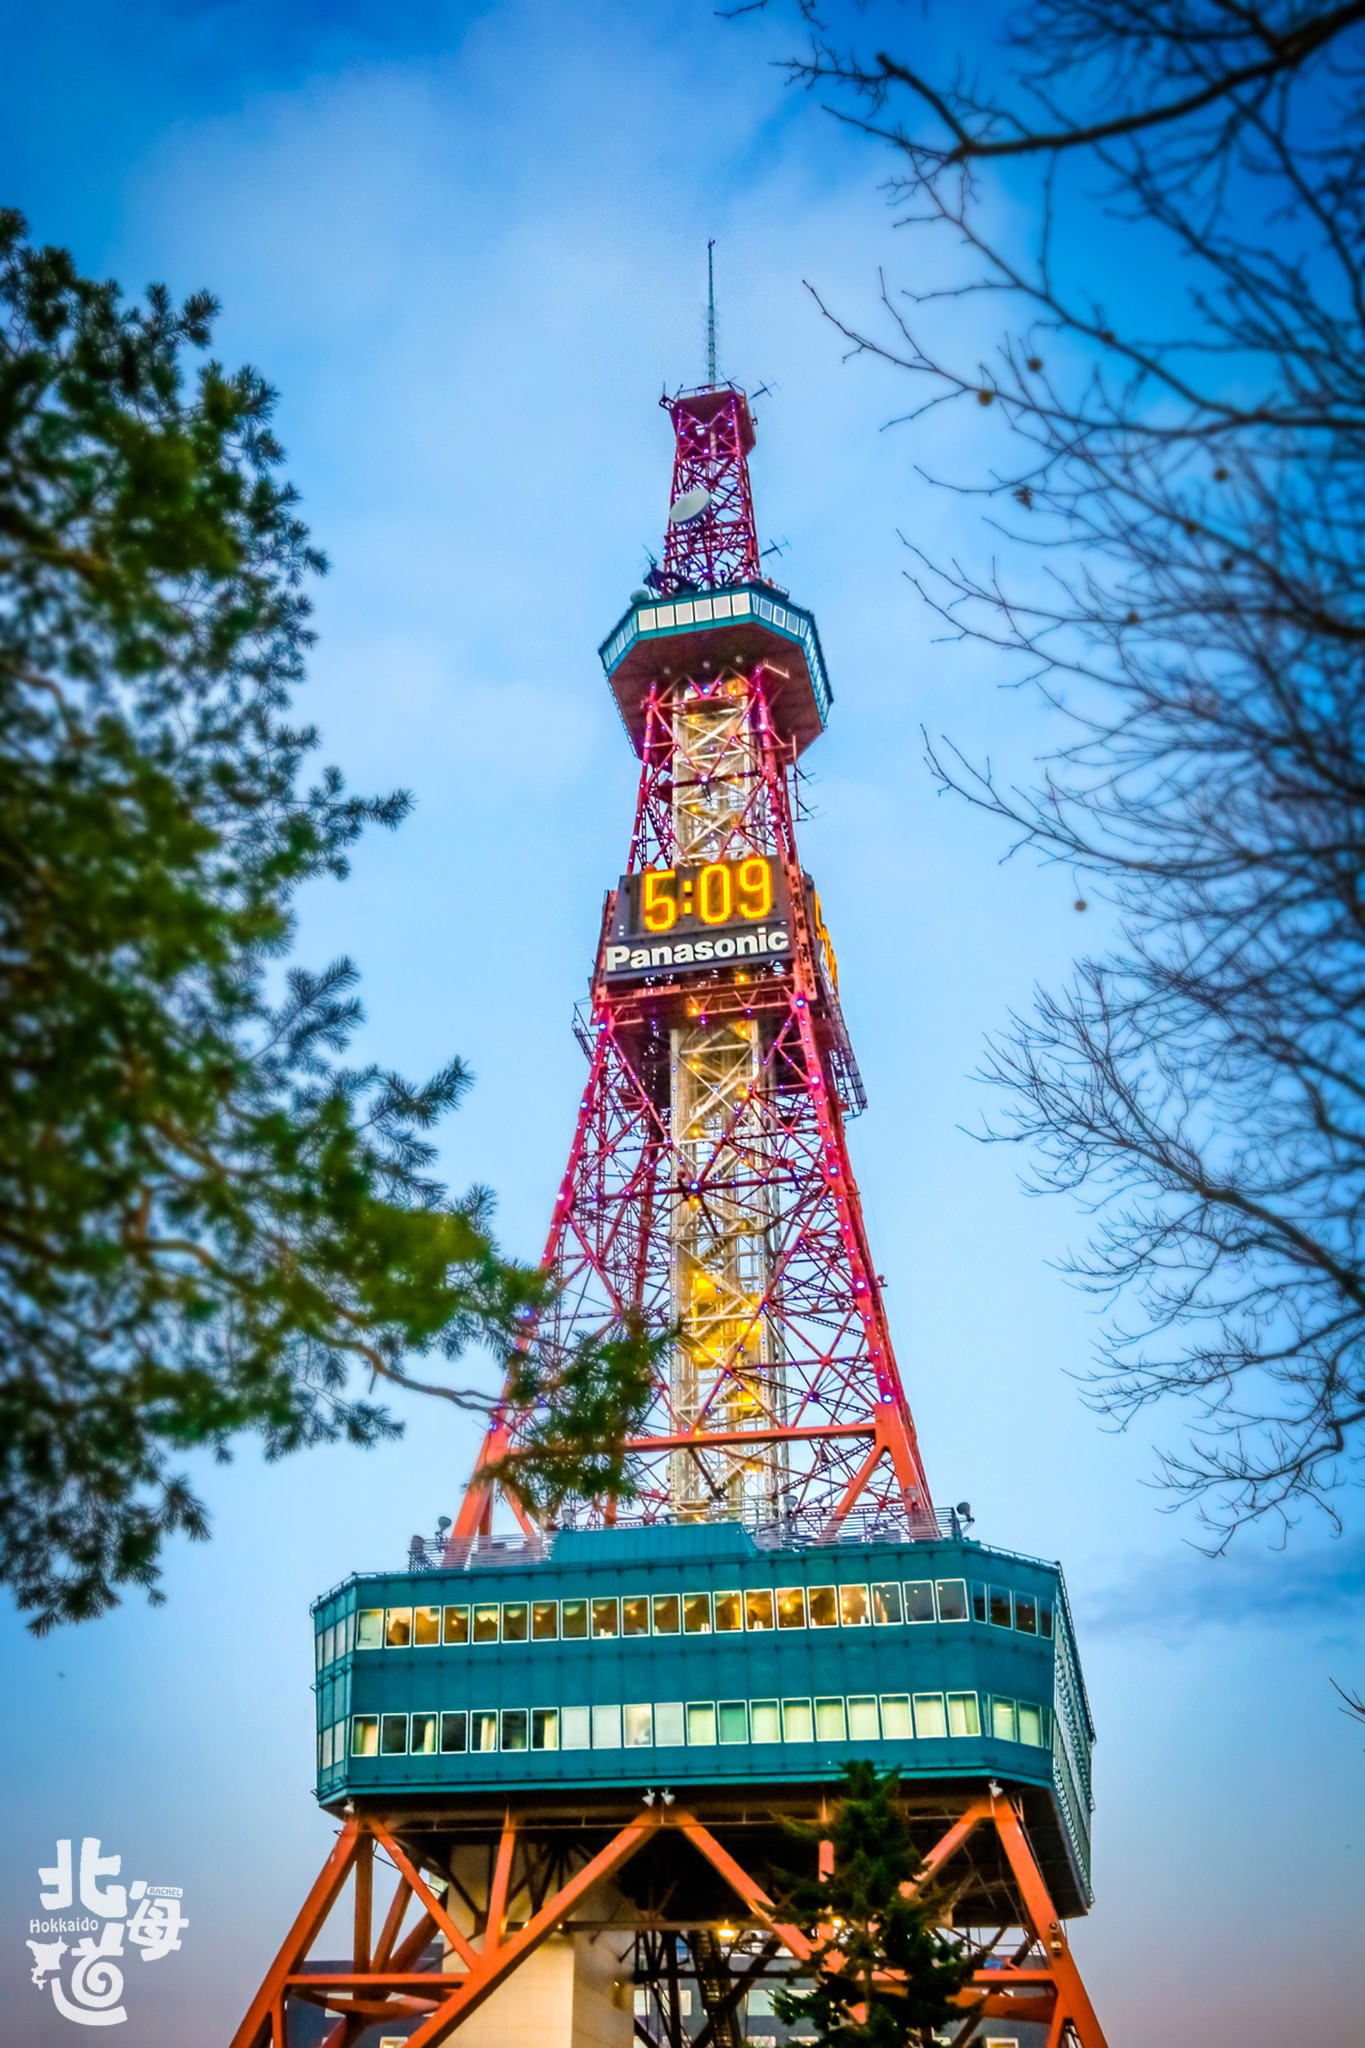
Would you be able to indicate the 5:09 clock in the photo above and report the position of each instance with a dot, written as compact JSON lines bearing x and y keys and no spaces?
{"x":660,"y":901}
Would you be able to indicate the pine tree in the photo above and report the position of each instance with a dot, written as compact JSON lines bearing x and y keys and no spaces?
{"x":881,"y":1975}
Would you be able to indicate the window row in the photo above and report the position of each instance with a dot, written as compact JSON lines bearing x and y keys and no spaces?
{"x":671,"y":1724}
{"x":887,"y":1604}
{"x":1003,"y":1609}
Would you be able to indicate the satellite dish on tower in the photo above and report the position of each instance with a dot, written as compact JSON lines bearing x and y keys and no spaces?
{"x":690,"y":505}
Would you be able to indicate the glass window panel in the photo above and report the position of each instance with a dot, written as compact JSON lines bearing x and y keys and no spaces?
{"x":758,"y":1608}
{"x":606,"y":1617}
{"x":952,"y":1599}
{"x":325,"y":1750}
{"x":798,"y":1723}
{"x":855,"y":1609}
{"x":919,"y":1600}
{"x":702,"y":609}
{"x":516,"y":1728}
{"x":398,"y":1628}
{"x":978,"y":1603}
{"x":456,"y":1628}
{"x":963,"y":1715}
{"x":423,"y":1735}
{"x":930,"y":1719}
{"x":426,"y":1626}
{"x":791,"y":1607}
{"x":864,"y":1725}
{"x":348,"y":1633}
{"x":545,"y":1620}
{"x":320,"y":1649}
{"x":722,"y":607}
{"x":639,"y":1726}
{"x":701,"y":1723}
{"x":1002,"y":1720}
{"x":575,"y":1728}
{"x":606,"y":1725}
{"x":393,"y":1735}
{"x":729,"y":1612}
{"x":545,"y":1728}
{"x":668,"y":1724}
{"x":329,"y":1647}
{"x":485,"y":1629}
{"x":824,"y":1607}
{"x":697,"y":1614}
{"x":766,"y":1721}
{"x":516,"y":1621}
{"x":1026,"y":1613}
{"x":683,"y":614}
{"x":667,"y":1614}
{"x":365,"y":1735}
{"x":665,"y":615}
{"x":635,"y":1614}
{"x":829,"y":1720}
{"x":896,"y":1724}
{"x":573,"y":1619}
{"x":483,"y":1729}
{"x":454,"y":1733}
{"x":1001,"y":1616}
{"x":732,"y":1720}
{"x":1045,"y":1619}
{"x":1031,"y":1725}
{"x":740,"y":603}
{"x":886,"y":1603}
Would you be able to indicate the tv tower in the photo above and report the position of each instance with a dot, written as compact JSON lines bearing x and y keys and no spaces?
{"x":567,"y":1744}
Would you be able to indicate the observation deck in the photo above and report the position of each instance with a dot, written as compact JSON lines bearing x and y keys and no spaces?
{"x":621,"y":1660}
{"x":704,"y":633}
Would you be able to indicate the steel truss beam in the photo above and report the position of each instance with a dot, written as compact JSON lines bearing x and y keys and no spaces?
{"x":532,"y":1893}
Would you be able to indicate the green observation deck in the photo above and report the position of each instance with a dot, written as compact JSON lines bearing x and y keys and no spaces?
{"x":693,"y":1656}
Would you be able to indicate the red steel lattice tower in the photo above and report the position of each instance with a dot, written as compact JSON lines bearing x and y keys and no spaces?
{"x":708,"y":1190}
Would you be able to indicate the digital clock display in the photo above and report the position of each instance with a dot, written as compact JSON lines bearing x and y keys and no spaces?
{"x":674,"y":919}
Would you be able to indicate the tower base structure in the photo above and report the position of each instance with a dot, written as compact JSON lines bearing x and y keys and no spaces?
{"x":561,"y":1908}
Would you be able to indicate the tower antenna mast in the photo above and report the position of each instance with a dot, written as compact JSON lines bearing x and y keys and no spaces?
{"x":711,"y":311}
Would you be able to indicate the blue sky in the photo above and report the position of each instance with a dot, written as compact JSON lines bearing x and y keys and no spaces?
{"x":468,"y":245}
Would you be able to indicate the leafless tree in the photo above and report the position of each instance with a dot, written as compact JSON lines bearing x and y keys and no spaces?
{"x":1185,"y":513}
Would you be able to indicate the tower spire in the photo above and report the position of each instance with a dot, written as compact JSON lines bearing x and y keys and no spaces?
{"x":711,"y":311}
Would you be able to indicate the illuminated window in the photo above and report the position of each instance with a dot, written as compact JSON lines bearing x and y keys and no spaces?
{"x":485,"y":1629}
{"x":963,"y":1716}
{"x":668,"y":1724}
{"x":1001,"y":1616}
{"x":454,"y":1733}
{"x":824,"y":1607}
{"x":758,"y":1609}
{"x":1003,"y":1726}
{"x":393,"y":1734}
{"x":516,"y":1729}
{"x":697,"y":1614}
{"x":545,"y":1728}
{"x":952,"y":1599}
{"x":732,"y":1720}
{"x":516,"y":1620}
{"x":863,"y":1722}
{"x":855,"y":1609}
{"x":829,"y":1721}
{"x":426,"y":1626}
{"x":456,"y":1628}
{"x":606,"y":1618}
{"x":575,"y":1728}
{"x":919,"y":1600}
{"x":930,"y":1719}
{"x":798,"y":1724}
{"x":606,"y":1727}
{"x":701,"y":1723}
{"x":483,"y":1729}
{"x":667,"y":1614}
{"x":1026,"y":1614}
{"x":886,"y":1603}
{"x":398,"y":1628}
{"x":544,"y":1620}
{"x":766,"y":1721}
{"x":639,"y":1727}
{"x":729,"y":1612}
{"x":1031,"y":1725}
{"x":896,"y":1724}
{"x":573,"y":1620}
{"x":791,"y":1607}
{"x":635,"y":1615}
{"x":365,"y":1735}
{"x":423,"y":1735}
